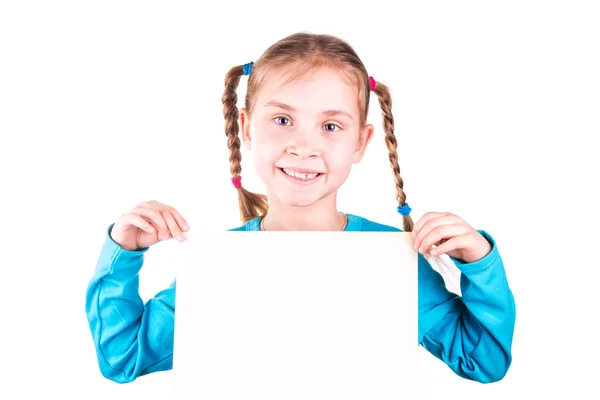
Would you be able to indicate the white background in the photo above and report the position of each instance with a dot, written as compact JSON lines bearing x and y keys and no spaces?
{"x":107,"y":104}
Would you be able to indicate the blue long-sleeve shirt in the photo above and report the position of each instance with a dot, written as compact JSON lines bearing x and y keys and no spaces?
{"x":471,"y":333}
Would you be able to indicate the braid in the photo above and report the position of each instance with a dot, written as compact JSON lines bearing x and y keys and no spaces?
{"x":385,"y":102}
{"x":251,"y":205}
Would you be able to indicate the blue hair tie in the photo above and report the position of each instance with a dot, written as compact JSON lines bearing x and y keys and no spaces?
{"x":247,"y":68}
{"x":404,"y":210}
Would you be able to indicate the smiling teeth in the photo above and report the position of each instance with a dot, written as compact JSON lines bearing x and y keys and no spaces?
{"x":299,"y":175}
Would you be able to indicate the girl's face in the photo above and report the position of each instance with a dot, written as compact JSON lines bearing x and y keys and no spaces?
{"x":305,"y":135}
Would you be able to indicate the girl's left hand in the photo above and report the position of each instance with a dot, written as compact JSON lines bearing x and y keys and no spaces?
{"x":452,"y":236}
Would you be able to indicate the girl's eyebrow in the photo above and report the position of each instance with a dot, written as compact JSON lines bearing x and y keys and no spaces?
{"x":332,"y":113}
{"x":278,"y":104}
{"x":329,"y":113}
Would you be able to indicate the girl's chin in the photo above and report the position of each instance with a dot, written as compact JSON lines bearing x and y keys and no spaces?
{"x":297,"y":198}
{"x":296,"y":201}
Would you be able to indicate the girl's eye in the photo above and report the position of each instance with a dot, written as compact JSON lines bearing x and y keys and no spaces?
{"x":331,"y":127}
{"x":279,"y":120}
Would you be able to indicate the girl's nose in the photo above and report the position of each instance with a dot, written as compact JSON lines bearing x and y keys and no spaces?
{"x":303,"y":150}
{"x":303,"y":143}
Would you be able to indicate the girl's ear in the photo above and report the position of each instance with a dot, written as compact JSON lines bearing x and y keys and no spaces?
{"x":245,"y":128}
{"x":364,"y":138}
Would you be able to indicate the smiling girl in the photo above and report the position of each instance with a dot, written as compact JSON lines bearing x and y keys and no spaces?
{"x":304,"y":119}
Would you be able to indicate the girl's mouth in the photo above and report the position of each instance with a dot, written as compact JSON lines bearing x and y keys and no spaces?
{"x":300,"y":177}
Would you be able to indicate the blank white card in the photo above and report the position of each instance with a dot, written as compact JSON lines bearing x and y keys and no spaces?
{"x":296,"y":315}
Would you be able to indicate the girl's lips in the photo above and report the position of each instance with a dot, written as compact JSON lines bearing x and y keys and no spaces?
{"x":302,"y":170}
{"x":300,"y":181}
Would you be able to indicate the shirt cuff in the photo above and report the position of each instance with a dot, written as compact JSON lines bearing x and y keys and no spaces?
{"x":113,"y":246}
{"x":488,"y":260}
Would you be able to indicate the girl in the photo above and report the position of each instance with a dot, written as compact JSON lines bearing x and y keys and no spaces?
{"x":305,"y":120}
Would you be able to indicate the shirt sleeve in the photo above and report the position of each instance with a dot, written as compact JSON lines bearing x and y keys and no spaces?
{"x":131,"y":338}
{"x":471,"y":333}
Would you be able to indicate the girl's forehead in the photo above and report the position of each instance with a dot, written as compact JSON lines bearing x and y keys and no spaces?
{"x":314,"y":87}
{"x":287,"y":80}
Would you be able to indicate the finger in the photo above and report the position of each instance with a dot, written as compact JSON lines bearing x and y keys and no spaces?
{"x":174,"y":228}
{"x":137,"y":221}
{"x":431,"y":224}
{"x":183,"y":224}
{"x":457,"y":242}
{"x":426,"y":217}
{"x":156,"y":218}
{"x":439,"y":233}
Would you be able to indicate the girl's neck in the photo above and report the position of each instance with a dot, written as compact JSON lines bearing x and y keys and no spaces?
{"x":321,"y":216}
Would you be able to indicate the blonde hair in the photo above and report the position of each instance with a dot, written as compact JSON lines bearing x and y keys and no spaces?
{"x":303,"y":52}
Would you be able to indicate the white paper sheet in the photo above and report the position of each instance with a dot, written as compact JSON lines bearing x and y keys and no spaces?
{"x":296,"y":315}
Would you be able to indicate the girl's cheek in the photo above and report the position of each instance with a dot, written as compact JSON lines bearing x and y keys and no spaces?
{"x":272,"y":136}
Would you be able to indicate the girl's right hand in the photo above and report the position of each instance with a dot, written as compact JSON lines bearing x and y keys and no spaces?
{"x":147,"y":224}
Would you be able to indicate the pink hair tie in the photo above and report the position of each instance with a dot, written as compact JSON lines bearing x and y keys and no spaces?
{"x":237,"y":182}
{"x":373,"y":83}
